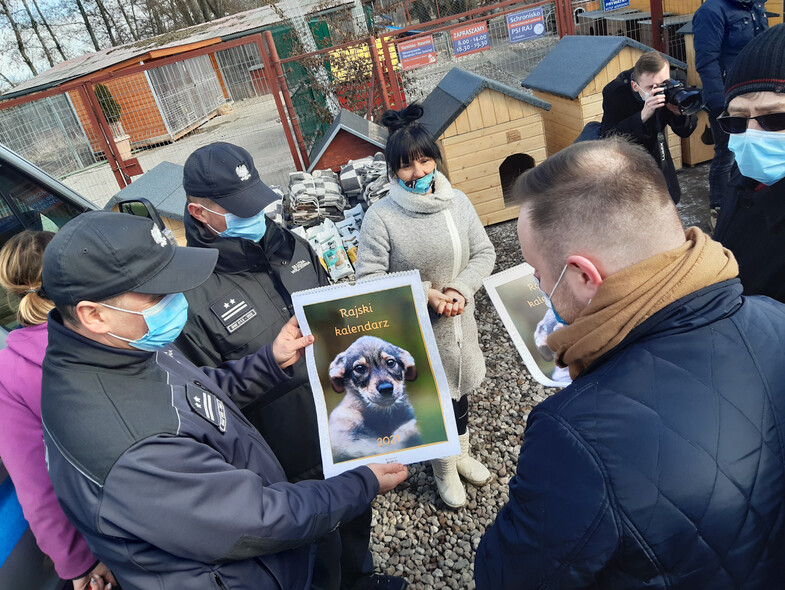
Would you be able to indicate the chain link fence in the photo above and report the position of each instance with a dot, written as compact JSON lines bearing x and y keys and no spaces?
{"x":158,"y":113}
{"x":506,"y":57}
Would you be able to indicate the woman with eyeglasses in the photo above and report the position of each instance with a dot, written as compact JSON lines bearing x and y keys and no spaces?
{"x":752,"y":221}
{"x":21,"y":436}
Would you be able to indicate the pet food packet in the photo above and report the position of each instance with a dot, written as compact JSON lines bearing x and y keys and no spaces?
{"x":355,"y":212}
{"x":347,"y":227}
{"x":350,"y":244}
{"x":336,"y":259}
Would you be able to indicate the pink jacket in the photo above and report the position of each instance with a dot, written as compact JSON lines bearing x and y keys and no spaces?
{"x":22,"y":452}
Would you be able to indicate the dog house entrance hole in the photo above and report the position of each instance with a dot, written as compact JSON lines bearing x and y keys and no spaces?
{"x":509,"y":171}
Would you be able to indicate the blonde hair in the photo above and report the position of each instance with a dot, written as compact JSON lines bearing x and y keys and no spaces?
{"x":21,"y":259}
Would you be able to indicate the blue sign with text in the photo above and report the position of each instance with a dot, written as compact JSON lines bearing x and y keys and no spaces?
{"x":614,"y":4}
{"x":526,"y":24}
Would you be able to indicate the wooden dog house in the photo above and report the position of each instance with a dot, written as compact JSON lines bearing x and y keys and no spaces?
{"x":571,"y":77}
{"x":489,"y":134}
{"x":350,"y":137}
{"x":693,"y":150}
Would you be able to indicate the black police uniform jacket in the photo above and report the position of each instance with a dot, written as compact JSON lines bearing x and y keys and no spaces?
{"x":172,"y":487}
{"x":752,"y":226}
{"x":662,"y":466}
{"x":242,"y":307}
{"x":621,"y":115}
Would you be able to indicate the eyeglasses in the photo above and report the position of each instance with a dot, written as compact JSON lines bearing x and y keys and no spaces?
{"x":770,"y":122}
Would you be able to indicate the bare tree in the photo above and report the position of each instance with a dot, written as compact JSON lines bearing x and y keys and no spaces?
{"x":87,"y":24}
{"x":105,"y":17}
{"x":37,"y":31}
{"x":48,"y":28}
{"x":6,"y":80}
{"x":131,"y":30}
{"x":20,"y":44}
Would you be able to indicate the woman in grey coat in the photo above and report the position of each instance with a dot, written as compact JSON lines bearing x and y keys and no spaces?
{"x":428,"y":225}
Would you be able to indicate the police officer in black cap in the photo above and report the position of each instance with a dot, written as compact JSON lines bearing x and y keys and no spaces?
{"x":241,"y":307}
{"x":149,"y":455}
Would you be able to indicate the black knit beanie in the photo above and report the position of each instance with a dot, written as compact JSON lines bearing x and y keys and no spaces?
{"x":760,"y":66}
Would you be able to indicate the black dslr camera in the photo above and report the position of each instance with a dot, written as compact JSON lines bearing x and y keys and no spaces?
{"x":688,"y":100}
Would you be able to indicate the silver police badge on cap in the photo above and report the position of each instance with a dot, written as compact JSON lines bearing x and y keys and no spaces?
{"x":242,"y":172}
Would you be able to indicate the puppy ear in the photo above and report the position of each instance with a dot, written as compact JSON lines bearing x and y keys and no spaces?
{"x":409,"y":370}
{"x":337,"y":372}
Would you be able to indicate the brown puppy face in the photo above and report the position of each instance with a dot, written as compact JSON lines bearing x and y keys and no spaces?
{"x":374,"y":370}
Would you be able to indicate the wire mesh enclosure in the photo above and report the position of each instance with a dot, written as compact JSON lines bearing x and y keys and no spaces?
{"x":49,"y":133}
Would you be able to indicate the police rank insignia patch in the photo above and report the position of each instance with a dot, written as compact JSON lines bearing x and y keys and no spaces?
{"x":207,"y":406}
{"x":233,"y":311}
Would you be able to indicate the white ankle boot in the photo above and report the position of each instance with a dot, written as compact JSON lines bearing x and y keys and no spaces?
{"x":448,"y":482}
{"x":470,"y":469}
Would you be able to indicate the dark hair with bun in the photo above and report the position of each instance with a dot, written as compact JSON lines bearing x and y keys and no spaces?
{"x":408,"y":140}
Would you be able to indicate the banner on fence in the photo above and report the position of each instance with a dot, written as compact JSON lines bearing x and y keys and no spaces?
{"x":614,"y":4}
{"x":525,"y":25}
{"x":417,"y":52}
{"x":470,"y":39}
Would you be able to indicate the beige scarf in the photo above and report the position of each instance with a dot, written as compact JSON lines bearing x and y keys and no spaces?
{"x":627,"y":298}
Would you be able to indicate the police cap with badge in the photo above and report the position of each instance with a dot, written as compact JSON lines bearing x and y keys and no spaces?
{"x":225,"y":173}
{"x":101,"y":254}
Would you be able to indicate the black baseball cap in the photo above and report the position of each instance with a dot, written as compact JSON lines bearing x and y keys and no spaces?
{"x":101,"y":254}
{"x":225,"y":173}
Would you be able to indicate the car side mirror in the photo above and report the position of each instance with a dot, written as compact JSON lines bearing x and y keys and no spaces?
{"x":143,"y":208}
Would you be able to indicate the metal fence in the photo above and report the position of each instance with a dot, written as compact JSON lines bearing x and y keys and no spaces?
{"x":96,"y":134}
{"x":506,"y":57}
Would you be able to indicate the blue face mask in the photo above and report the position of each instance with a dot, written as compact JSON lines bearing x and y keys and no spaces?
{"x":249,"y":228}
{"x":759,"y":154}
{"x":547,"y":297}
{"x":165,"y":320}
{"x":421,"y":185}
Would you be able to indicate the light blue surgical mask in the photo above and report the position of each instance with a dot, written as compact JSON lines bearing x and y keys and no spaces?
{"x":421,"y":185}
{"x":249,"y":228}
{"x":165,"y":320}
{"x":759,"y":154}
{"x":547,"y":297}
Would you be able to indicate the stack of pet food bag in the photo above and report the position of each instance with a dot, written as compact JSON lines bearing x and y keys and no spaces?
{"x":327,"y":209}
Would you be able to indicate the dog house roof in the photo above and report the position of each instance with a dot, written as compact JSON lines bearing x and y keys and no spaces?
{"x":354,"y":124}
{"x":577,"y":59}
{"x":456,"y":91}
{"x":162,"y":186}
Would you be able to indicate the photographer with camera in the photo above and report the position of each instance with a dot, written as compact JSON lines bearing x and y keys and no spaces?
{"x":641,"y":102}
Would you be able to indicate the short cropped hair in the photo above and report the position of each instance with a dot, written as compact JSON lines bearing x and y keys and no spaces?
{"x":650,"y":62}
{"x":68,"y":312}
{"x":597,"y":195}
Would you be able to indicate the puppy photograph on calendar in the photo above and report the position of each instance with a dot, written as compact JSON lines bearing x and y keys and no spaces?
{"x":378,"y":383}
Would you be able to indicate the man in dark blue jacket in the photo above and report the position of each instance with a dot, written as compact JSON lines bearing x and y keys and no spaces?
{"x":663,"y":464}
{"x":721,"y":30}
{"x":149,"y":455}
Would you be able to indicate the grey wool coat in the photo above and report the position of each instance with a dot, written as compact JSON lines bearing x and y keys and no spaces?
{"x":440,"y":235}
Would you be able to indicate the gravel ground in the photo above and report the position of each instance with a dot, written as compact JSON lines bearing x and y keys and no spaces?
{"x":414,"y":534}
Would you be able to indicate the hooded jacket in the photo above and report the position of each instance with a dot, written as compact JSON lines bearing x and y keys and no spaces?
{"x":752,"y":226}
{"x":621,"y":115}
{"x":241,"y":308}
{"x":661,"y":466}
{"x":721,"y":29}
{"x":22,"y":451}
{"x":173,"y":488}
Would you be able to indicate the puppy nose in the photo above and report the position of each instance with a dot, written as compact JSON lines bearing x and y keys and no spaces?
{"x":385,"y":389}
